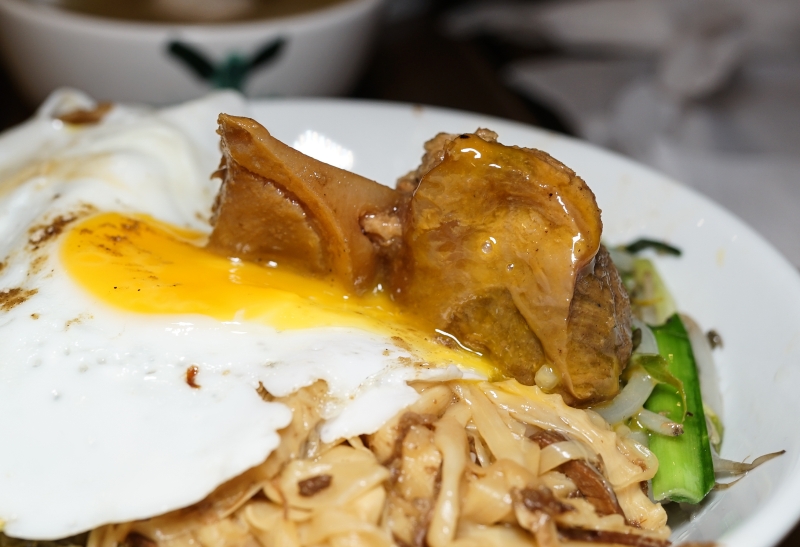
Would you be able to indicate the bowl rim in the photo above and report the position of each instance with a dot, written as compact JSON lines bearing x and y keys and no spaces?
{"x":57,"y":17}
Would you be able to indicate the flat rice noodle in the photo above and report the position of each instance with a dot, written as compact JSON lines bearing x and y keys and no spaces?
{"x":368,"y":506}
{"x":262,"y":515}
{"x":640,"y":511}
{"x":559,"y":453}
{"x":109,"y":535}
{"x":584,"y":515}
{"x":471,"y":535}
{"x":482,"y":454}
{"x":231,"y":495}
{"x":407,"y":521}
{"x":535,"y":509}
{"x":353,"y":473}
{"x":223,"y":501}
{"x":451,"y":440}
{"x":487,"y":500}
{"x":532,"y":406}
{"x":267,"y":523}
{"x":498,"y":437}
{"x":231,"y":531}
{"x":333,"y":522}
{"x":432,"y":402}
{"x":420,"y":462}
{"x":431,"y":492}
{"x":412,"y":494}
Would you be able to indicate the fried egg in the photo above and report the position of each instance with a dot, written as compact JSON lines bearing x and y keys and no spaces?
{"x":133,"y":359}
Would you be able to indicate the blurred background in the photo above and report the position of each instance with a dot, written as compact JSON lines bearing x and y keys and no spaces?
{"x":707,"y":91}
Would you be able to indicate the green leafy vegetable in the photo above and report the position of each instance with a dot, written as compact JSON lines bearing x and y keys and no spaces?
{"x":658,"y":246}
{"x":686,"y":469}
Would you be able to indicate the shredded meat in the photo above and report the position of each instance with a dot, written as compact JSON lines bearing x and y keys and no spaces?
{"x":312,"y":485}
{"x":535,"y":509}
{"x":589,"y":479}
{"x":542,"y":499}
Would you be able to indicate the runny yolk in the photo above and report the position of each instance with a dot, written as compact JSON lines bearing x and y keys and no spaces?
{"x":142,"y":265}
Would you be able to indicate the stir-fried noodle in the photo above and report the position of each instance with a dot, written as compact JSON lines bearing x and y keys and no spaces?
{"x":469,"y":464}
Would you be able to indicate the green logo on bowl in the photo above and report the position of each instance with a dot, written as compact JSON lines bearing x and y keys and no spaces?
{"x":233,"y":71}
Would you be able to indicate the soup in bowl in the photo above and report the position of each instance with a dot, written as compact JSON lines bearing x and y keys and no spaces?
{"x":166,"y":51}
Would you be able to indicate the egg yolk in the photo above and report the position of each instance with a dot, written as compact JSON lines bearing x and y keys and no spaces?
{"x":142,"y":265}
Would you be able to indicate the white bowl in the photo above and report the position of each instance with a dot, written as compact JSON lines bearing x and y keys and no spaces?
{"x":318,"y":53}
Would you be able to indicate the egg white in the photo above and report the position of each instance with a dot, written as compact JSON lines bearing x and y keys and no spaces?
{"x":98,"y":421}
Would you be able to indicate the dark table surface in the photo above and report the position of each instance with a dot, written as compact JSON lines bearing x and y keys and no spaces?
{"x":414,"y":61}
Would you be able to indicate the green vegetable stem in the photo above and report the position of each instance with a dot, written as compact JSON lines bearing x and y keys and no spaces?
{"x":685,"y":470}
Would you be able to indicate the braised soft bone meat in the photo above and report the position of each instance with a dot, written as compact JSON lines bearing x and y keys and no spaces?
{"x":502,"y":249}
{"x":498,"y":246}
{"x":599,"y":337}
{"x":277,"y":204}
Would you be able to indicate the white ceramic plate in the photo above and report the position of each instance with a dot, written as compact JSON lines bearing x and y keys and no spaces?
{"x":728,"y":279}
